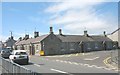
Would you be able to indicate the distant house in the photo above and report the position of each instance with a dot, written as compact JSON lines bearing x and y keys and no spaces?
{"x":9,"y":42}
{"x":52,"y":44}
{"x":115,"y":36}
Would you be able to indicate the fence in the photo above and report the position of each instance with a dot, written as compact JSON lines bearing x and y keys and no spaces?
{"x":0,"y":66}
{"x":15,"y":69}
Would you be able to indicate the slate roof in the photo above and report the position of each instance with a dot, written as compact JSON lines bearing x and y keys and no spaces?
{"x":65,"y":38}
{"x":100,"y":38}
{"x":31,"y":40}
{"x":38,"y":39}
{"x":72,"y":38}
{"x":78,"y":38}
{"x":17,"y":42}
{"x":20,"y":42}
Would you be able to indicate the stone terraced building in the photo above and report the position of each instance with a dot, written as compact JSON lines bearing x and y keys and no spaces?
{"x":52,"y":44}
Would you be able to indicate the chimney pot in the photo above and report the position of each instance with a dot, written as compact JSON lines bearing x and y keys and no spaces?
{"x":26,"y":37}
{"x":85,"y":33}
{"x":36,"y":34}
{"x":20,"y":38}
{"x":60,"y":31}
{"x":104,"y":33}
{"x":51,"y":30}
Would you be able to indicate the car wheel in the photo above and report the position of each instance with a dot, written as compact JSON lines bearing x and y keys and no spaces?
{"x":27,"y":62}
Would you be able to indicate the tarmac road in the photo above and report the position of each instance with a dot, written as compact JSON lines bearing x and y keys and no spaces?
{"x":92,"y":62}
{"x":73,"y":63}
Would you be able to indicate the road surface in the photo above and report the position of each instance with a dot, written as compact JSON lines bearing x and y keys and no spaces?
{"x":92,"y":62}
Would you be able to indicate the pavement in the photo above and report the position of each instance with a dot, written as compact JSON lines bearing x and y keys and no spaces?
{"x":112,"y":61}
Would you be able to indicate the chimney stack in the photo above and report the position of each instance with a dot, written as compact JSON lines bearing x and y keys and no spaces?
{"x":26,"y":37}
{"x":11,"y":37}
{"x":51,"y":30}
{"x":104,"y":33}
{"x":20,"y":38}
{"x":36,"y":34}
{"x":85,"y":33}
{"x":60,"y":31}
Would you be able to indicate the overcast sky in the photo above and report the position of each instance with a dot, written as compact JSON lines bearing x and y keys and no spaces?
{"x":72,"y":17}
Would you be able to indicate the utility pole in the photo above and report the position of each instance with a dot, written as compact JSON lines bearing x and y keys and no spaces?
{"x":10,"y":33}
{"x":85,"y":28}
{"x":35,"y":29}
{"x":25,"y":31}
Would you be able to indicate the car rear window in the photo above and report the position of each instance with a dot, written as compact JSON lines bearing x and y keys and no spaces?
{"x":20,"y":53}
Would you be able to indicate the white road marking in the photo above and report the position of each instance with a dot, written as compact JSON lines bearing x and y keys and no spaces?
{"x":68,"y":55}
{"x":99,"y":67}
{"x":102,"y":67}
{"x":58,"y":71}
{"x":91,"y":59}
{"x":65,"y":61}
{"x":107,"y":68}
{"x":86,"y":64}
{"x":70,"y":62}
{"x":94,"y":65}
{"x":83,"y":53}
{"x":37,"y":65}
{"x":62,"y":56}
{"x":86,"y":53}
{"x":57,"y":60}
{"x":80,"y":64}
{"x":90,"y":66}
{"x":77,"y":54}
{"x":75,"y":63}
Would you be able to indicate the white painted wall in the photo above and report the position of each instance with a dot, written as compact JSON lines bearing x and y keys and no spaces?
{"x":115,"y":36}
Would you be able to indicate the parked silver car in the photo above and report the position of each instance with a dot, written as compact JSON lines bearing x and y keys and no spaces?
{"x":5,"y":53}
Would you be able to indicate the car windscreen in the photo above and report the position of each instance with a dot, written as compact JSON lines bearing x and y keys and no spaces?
{"x":6,"y":50}
{"x":21,"y":53}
